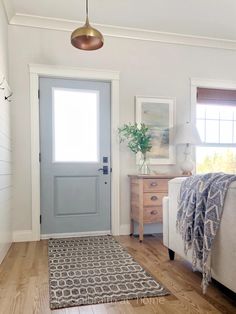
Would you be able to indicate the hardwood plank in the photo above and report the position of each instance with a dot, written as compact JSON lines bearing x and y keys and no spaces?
{"x":100,"y":309}
{"x":87,"y":309}
{"x":24,"y":283}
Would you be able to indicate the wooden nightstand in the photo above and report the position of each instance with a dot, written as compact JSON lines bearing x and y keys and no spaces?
{"x":147,"y":192}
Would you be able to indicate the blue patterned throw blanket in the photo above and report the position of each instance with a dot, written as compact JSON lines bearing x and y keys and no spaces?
{"x":200,"y":207}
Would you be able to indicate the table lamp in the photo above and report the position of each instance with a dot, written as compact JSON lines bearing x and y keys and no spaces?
{"x":187,"y":134}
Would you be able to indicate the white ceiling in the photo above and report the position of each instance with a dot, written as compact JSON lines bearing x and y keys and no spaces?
{"x":208,"y":18}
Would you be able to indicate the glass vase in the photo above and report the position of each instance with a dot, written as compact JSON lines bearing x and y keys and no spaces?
{"x":144,"y":165}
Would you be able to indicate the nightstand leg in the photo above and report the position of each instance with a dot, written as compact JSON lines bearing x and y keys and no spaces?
{"x":140,"y":231}
{"x":131,"y":227}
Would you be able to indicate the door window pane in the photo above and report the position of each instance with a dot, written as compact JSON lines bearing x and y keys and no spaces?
{"x":75,"y":117}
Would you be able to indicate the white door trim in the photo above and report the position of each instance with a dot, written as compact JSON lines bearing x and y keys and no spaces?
{"x":37,"y":70}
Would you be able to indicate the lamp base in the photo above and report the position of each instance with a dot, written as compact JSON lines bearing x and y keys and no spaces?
{"x":187,"y":165}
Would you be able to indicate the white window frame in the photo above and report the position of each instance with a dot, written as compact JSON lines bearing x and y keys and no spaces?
{"x":218,"y":144}
{"x":207,"y":83}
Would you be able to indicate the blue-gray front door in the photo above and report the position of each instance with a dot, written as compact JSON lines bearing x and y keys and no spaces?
{"x":75,"y":155}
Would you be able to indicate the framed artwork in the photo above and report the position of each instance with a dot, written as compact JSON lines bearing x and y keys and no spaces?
{"x":159,"y":115}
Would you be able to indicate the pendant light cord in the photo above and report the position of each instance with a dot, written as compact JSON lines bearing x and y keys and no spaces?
{"x":87,"y":8}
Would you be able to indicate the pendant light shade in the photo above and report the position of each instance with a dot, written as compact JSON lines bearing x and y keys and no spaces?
{"x":87,"y":37}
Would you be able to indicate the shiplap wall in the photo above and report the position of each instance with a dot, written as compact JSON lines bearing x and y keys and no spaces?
{"x":5,"y":145}
{"x":5,"y":176}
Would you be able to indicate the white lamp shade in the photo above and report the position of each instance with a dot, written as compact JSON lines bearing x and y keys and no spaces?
{"x":187,"y":133}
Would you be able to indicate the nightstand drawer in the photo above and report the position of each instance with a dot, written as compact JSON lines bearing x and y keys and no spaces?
{"x":155,"y":185}
{"x":153,"y":199}
{"x":152,"y":214}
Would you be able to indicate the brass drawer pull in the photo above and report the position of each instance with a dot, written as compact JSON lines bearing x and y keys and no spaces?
{"x":153,"y":184}
{"x":153,"y":212}
{"x":154,"y":198}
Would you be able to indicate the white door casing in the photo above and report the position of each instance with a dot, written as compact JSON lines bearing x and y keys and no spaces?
{"x":36,"y":71}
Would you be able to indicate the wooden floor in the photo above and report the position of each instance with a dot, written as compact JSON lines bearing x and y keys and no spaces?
{"x":24,"y":283}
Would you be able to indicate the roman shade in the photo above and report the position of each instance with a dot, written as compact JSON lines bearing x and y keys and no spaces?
{"x":209,"y":96}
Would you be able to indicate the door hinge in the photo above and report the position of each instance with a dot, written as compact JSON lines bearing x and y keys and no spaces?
{"x":40,"y":219}
{"x":110,"y":169}
{"x":38,"y":94}
{"x":39,"y":157}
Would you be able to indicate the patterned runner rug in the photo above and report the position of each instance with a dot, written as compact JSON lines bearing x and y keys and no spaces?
{"x":95,"y":270}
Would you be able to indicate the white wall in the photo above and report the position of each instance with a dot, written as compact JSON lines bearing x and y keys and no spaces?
{"x":147,"y":68}
{"x":5,"y":144}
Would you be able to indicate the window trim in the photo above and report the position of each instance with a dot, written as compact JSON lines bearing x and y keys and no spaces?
{"x":206,"y":83}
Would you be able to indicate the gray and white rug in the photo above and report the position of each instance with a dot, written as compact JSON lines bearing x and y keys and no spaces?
{"x":95,"y":270}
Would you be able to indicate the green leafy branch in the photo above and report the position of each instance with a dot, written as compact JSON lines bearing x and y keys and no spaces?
{"x":137,"y":136}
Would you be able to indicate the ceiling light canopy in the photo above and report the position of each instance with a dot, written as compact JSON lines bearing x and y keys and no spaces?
{"x":87,"y":37}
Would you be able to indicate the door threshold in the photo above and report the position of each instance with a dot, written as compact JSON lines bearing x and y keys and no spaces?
{"x":74,"y":234}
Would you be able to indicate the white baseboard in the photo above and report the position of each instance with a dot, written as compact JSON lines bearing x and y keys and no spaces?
{"x":74,"y":234}
{"x":125,"y":229}
{"x":22,"y":236}
{"x":27,"y":235}
{"x":4,"y":251}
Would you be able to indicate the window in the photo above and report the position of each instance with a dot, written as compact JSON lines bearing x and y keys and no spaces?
{"x":75,"y":121}
{"x":216,"y":123}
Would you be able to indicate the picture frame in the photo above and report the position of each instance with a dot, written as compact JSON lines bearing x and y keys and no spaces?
{"x":159,"y":115}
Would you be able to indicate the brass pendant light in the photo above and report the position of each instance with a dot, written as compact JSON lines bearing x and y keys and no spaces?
{"x":87,"y":37}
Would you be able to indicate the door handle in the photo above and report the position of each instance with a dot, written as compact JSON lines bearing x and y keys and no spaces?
{"x":104,"y":169}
